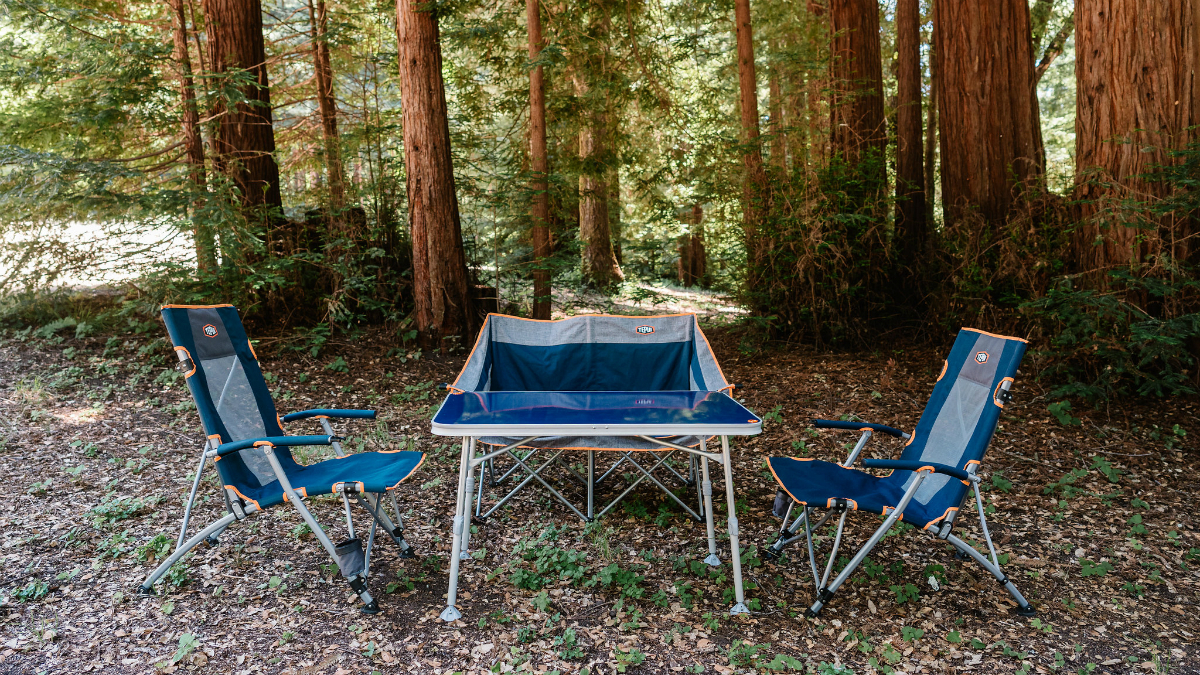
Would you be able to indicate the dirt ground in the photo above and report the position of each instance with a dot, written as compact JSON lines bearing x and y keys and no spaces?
{"x":98,"y":440}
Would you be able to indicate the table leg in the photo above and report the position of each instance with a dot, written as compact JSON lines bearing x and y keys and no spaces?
{"x":591,"y":484}
{"x":465,"y":553}
{"x":735,"y":551}
{"x":713,"y":559}
{"x":451,"y":612}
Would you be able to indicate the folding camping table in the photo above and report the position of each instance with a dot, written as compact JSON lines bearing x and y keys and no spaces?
{"x":673,"y":411}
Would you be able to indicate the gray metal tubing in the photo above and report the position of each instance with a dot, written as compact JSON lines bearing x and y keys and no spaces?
{"x":380,"y":516}
{"x":591,"y":484}
{"x":812,"y":554}
{"x":735,"y":551}
{"x":837,"y":542}
{"x":664,"y":487}
{"x":533,"y":473}
{"x":612,"y":468}
{"x":346,"y":504}
{"x":187,"y":546}
{"x":470,"y":493}
{"x":399,"y":522}
{"x":634,"y":484}
{"x":706,"y":490}
{"x":683,"y":448}
{"x":337,"y":446}
{"x":370,"y":543}
{"x":694,"y":472}
{"x":983,"y":524}
{"x":508,"y":448}
{"x":883,"y":529}
{"x":187,"y":510}
{"x":862,"y":442}
{"x":987,"y":565}
{"x":451,"y":612}
{"x":544,"y":483}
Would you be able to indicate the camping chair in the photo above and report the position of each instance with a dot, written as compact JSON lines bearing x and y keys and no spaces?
{"x":246,"y":442}
{"x":928,"y":484}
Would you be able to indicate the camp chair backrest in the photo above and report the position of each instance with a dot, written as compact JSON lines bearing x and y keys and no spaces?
{"x":963,"y":409}
{"x":227,"y":386}
{"x":592,"y":353}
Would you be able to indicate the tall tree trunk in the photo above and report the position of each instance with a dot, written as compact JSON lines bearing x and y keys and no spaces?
{"x":910,"y":169}
{"x":931,"y":135}
{"x":986,"y":107}
{"x":244,"y":142}
{"x":440,"y":288}
{"x":600,"y":267}
{"x":615,"y":223}
{"x":1135,"y":73}
{"x":858,"y":128}
{"x":202,"y":234}
{"x":327,"y":104}
{"x":539,"y":209}
{"x":778,"y":141}
{"x":692,"y":258}
{"x":754,"y":188}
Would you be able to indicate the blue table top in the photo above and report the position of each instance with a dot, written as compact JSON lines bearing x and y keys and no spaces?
{"x":593,"y":413}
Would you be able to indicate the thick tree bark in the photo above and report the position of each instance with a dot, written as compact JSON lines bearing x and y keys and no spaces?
{"x":858,"y":129}
{"x":778,"y":141}
{"x":202,"y":234}
{"x":987,"y":112}
{"x":327,"y":104}
{"x":931,"y":135}
{"x":754,"y":190}
{"x":539,"y":208}
{"x":440,"y":288}
{"x":600,"y":268}
{"x":244,"y":142}
{"x":910,"y":161}
{"x":693,"y":266}
{"x":1137,"y":96}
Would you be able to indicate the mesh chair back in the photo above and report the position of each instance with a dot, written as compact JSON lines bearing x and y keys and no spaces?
{"x":960,"y":418}
{"x":228,"y":387}
{"x":592,"y":353}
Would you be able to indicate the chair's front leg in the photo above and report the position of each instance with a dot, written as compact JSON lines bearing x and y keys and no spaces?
{"x":451,"y":612}
{"x":373,"y":503}
{"x":147,"y":586}
{"x":1023,"y":606}
{"x":735,"y":551}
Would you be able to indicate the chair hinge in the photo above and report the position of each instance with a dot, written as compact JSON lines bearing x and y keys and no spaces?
{"x":1005,"y":396}
{"x":840,"y":504}
{"x":187,"y":365}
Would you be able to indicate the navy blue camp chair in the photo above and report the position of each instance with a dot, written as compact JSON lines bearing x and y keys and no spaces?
{"x":246,"y":442}
{"x":928,"y":484}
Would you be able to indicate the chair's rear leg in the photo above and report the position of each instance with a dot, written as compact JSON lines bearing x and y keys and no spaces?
{"x":373,"y":503}
{"x":147,"y":586}
{"x":406,"y":550}
{"x":1023,"y":606}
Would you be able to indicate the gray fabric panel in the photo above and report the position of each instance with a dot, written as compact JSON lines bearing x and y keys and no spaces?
{"x":713,"y":379}
{"x":235,"y":405}
{"x":594,"y":329}
{"x":956,"y":422}
{"x":472,"y":371}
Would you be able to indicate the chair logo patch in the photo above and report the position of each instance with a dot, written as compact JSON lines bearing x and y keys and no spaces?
{"x":981,"y":357}
{"x":209,"y":330}
{"x":644,"y":330}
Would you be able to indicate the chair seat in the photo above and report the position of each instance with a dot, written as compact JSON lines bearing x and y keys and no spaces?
{"x":815,"y":483}
{"x":376,"y":471}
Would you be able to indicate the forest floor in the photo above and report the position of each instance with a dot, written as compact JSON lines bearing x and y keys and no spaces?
{"x":98,"y":440}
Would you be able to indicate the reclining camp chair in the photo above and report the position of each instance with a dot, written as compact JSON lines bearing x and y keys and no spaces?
{"x":245,"y":440}
{"x":928,"y":484}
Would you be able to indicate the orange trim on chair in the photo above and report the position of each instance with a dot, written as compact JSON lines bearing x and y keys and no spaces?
{"x":829,"y":502}
{"x":410,"y":473}
{"x":945,"y":365}
{"x":940,"y":518}
{"x":996,"y":393}
{"x":194,"y":306}
{"x":194,"y":364}
{"x":781,"y":485}
{"x":1002,"y":337}
{"x":251,"y":346}
{"x":244,"y":497}
{"x":302,"y":490}
{"x":258,"y":443}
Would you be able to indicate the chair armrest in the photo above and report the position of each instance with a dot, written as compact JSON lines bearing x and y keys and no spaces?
{"x":330,"y":413}
{"x":915,"y":465}
{"x":856,"y":426}
{"x":235,"y":446}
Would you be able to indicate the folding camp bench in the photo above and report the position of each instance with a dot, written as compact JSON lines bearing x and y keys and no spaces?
{"x":246,"y":442}
{"x":927,"y":485}
{"x":642,"y":390}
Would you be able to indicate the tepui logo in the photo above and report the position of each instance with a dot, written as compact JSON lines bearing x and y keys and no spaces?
{"x":644,"y":330}
{"x":210,"y":330}
{"x":981,"y":357}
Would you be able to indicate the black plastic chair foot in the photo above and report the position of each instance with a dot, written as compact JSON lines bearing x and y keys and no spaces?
{"x":212,"y":540}
{"x":370,"y":608}
{"x":809,"y":614}
{"x":146,"y":591}
{"x":408,"y":553}
{"x":1026,"y":611}
{"x":772,"y":554}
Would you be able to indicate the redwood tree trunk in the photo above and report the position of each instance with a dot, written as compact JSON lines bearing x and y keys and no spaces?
{"x":440,"y":289}
{"x":986,"y":106}
{"x":600,"y":268}
{"x":692,"y":257}
{"x":539,"y":208}
{"x":931,"y":135}
{"x":910,"y":161}
{"x":858,"y":129}
{"x":1135,"y":74}
{"x":755,"y":186}
{"x":778,"y":142}
{"x":244,"y":142}
{"x":202,"y":234}
{"x":327,"y":105}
